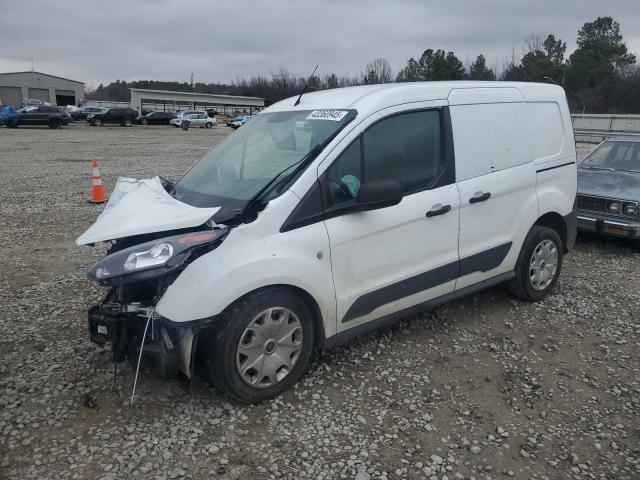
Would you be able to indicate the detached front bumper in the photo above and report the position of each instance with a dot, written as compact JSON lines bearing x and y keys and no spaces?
{"x":607,"y":225}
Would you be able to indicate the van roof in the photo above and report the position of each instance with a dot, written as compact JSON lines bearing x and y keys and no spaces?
{"x":369,"y":98}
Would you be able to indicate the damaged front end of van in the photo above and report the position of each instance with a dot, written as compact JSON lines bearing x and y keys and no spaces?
{"x":153,"y":237}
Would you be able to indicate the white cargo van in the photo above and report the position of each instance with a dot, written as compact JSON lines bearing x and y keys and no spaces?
{"x":320,"y":220}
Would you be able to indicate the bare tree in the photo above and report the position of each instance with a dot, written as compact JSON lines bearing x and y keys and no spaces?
{"x":377,"y":71}
{"x":535,"y":42}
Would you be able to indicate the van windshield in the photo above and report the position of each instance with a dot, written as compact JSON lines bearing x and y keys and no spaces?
{"x":244,"y":163}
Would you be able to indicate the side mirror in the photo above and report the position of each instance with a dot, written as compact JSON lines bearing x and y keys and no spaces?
{"x":378,"y":194}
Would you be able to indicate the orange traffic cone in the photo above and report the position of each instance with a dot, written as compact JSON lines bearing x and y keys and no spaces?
{"x":97,"y":189}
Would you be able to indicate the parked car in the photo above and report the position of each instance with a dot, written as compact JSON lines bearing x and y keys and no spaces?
{"x":84,"y":112}
{"x":67,"y":114}
{"x":119,"y":116}
{"x":156,"y":118}
{"x":408,"y":196}
{"x":239,"y":123}
{"x":609,"y":189}
{"x":42,"y":115}
{"x":185,"y":113}
{"x":237,"y":118}
{"x":9,"y":116}
{"x":201,"y":120}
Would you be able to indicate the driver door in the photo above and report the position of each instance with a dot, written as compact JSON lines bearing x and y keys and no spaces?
{"x":390,"y":259}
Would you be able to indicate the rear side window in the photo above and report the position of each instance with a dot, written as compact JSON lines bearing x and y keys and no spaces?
{"x":405,"y":148}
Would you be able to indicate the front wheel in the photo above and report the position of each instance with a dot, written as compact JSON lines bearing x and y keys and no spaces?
{"x":262,"y":346}
{"x":208,"y":125}
{"x":144,"y":121}
{"x":539,"y":264}
{"x":54,"y":123}
{"x":127,"y":123}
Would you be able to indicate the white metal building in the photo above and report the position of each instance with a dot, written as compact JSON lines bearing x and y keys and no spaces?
{"x":142,"y":99}
{"x":17,"y":88}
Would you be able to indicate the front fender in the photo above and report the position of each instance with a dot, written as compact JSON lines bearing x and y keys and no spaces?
{"x":246,"y":261}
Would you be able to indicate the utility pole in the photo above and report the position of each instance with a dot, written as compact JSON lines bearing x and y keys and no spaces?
{"x":32,"y":69}
{"x":192,"y":81}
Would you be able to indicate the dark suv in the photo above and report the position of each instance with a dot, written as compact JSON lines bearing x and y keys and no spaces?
{"x":124,"y":117}
{"x":42,"y":115}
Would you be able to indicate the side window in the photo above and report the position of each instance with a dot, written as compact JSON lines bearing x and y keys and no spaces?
{"x":344,"y":176}
{"x":406,"y":148}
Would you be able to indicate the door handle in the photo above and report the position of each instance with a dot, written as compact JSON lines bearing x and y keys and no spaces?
{"x":438,"y":210}
{"x":480,"y":197}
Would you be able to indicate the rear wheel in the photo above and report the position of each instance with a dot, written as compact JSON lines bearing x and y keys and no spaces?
{"x":97,"y":122}
{"x":127,"y":122}
{"x":208,"y":125}
{"x":539,"y":265}
{"x":262,"y":346}
{"x":54,"y":123}
{"x":144,"y":121}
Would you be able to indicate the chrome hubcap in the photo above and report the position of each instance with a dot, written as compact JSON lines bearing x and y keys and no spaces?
{"x":543,"y":265}
{"x":269,"y":347}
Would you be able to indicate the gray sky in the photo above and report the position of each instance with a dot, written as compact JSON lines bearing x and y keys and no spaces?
{"x":220,"y":40}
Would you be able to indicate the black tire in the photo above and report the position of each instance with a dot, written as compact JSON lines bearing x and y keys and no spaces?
{"x":208,"y":125}
{"x":12,"y":124}
{"x":144,"y":121}
{"x":126,"y":123}
{"x":54,"y":123}
{"x":218,"y":345}
{"x":521,"y":286}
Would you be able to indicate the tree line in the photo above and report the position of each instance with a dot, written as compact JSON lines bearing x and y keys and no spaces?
{"x":600,"y":76}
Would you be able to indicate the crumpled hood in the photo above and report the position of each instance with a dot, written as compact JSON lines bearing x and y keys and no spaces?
{"x":611,"y":184}
{"x":142,"y":206}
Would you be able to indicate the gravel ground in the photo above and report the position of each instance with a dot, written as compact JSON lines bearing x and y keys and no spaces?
{"x":488,"y":387}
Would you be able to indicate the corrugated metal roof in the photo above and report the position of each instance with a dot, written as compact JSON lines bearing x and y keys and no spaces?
{"x":41,"y":73}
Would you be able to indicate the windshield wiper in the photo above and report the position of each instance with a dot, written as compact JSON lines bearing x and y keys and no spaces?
{"x":274,"y":184}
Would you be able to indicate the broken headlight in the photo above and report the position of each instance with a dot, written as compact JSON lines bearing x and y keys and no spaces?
{"x":154,"y":258}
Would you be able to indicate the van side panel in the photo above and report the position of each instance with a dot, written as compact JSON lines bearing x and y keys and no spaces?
{"x":504,"y":219}
{"x":556,"y":189}
{"x":489,"y":138}
{"x":493,"y":156}
{"x":554,"y":154}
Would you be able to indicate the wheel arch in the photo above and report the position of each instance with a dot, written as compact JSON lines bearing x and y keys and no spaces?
{"x":319,"y":334}
{"x":556,"y":222}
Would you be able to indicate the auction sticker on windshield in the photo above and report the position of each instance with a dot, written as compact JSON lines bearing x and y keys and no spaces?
{"x":335,"y":115}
